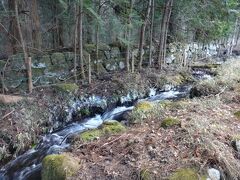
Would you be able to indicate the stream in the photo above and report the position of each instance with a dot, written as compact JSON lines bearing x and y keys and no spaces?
{"x":28,"y":165}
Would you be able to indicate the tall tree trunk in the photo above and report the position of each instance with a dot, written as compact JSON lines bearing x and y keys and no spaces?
{"x":81,"y":39}
{"x":75,"y":42}
{"x":234,"y":37}
{"x":164,"y":31}
{"x":36,"y":32}
{"x":151,"y":33}
{"x":97,"y":36}
{"x":26,"y":58}
{"x":127,"y":57}
{"x":13,"y":30}
{"x":142,"y":35}
{"x":169,"y":12}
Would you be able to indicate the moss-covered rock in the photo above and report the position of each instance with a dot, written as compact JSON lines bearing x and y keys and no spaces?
{"x":184,"y":174}
{"x":236,"y":137}
{"x":141,"y":112}
{"x":58,"y":58}
{"x":91,"y":135}
{"x":37,"y":72}
{"x":46,"y":60}
{"x":112,"y":127}
{"x":59,"y":167}
{"x":169,"y":122}
{"x":67,"y":87}
{"x":205,"y":88}
{"x":107,"y":128}
{"x":237,"y":114}
{"x":145,"y":175}
{"x":58,"y":62}
{"x":144,"y":106}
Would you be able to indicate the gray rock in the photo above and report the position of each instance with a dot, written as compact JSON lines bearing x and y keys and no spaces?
{"x":214,"y":174}
{"x":121,"y":65}
{"x":237,"y":144}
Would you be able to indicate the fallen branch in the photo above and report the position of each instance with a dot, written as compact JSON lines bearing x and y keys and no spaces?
{"x":114,"y":140}
{"x":6,"y":115}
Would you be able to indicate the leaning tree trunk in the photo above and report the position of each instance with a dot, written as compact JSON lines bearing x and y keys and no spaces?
{"x":142,"y":35}
{"x":151,"y":34}
{"x":164,"y":32}
{"x":26,"y":58}
{"x":81,"y":39}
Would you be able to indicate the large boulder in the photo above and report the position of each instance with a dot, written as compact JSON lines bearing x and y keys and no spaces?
{"x":59,"y":167}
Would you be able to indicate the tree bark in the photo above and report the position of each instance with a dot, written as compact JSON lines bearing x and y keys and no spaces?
{"x":151,"y":33}
{"x":75,"y":43}
{"x":36,"y":31}
{"x":164,"y":32}
{"x":129,"y":37}
{"x":89,"y":70}
{"x":97,"y":36}
{"x":142,"y":35}
{"x":26,"y":58}
{"x":81,"y":39}
{"x":13,"y":30}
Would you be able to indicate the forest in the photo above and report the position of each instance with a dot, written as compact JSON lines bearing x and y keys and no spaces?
{"x":120,"y":89}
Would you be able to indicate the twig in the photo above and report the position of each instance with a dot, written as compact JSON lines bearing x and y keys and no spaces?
{"x":113,"y":140}
{"x":6,"y":115}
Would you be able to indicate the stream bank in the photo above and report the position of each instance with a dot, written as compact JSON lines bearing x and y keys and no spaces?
{"x":53,"y":107}
{"x":113,"y":117}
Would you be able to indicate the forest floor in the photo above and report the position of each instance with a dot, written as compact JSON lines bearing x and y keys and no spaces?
{"x":148,"y":151}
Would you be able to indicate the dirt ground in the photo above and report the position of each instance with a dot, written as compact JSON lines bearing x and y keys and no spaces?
{"x":204,"y":140}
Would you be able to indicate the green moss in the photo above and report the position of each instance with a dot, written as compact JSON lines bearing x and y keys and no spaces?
{"x":59,"y":167}
{"x":67,"y":87}
{"x":107,"y":128}
{"x":143,"y":106}
{"x":36,"y":72}
{"x":169,"y":122}
{"x":112,"y":127}
{"x":236,"y":137}
{"x":84,"y":112}
{"x":237,"y":114}
{"x":91,"y":135}
{"x":184,"y":174}
{"x":90,"y":47}
{"x":141,"y":111}
{"x":145,"y":175}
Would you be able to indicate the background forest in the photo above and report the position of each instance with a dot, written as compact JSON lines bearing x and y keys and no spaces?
{"x":119,"y":89}
{"x":116,"y":34}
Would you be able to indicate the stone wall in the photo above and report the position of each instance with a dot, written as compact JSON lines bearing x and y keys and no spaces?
{"x":51,"y":68}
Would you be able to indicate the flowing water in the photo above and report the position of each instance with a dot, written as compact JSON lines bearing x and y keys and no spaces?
{"x":28,"y":165}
